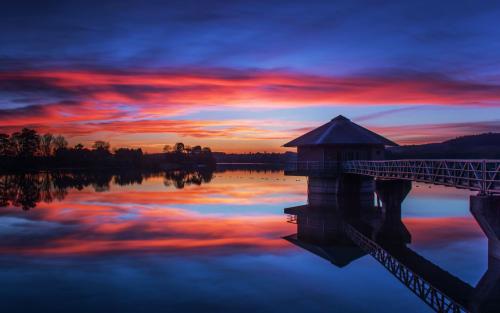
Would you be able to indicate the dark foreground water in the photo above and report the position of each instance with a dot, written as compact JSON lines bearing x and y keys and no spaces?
{"x":203,"y":244}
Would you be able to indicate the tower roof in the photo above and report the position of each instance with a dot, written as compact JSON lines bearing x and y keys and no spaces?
{"x":340,"y":130}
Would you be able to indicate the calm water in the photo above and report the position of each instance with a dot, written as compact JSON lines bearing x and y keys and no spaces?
{"x":96,"y":243}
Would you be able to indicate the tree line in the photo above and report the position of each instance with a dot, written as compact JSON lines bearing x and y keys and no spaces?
{"x":184,"y":154}
{"x":27,"y":149}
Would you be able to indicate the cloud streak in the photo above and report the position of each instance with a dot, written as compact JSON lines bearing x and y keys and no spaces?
{"x":85,"y":102}
{"x":428,"y":133}
{"x":153,"y":91}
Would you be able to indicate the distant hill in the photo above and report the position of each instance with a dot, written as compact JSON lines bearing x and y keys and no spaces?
{"x":483,"y":146}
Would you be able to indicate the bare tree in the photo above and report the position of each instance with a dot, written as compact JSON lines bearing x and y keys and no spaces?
{"x":101,"y":145}
{"x":60,"y":143}
{"x":47,"y":144}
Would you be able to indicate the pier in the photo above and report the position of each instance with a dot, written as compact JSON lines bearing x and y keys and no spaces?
{"x":347,"y":171}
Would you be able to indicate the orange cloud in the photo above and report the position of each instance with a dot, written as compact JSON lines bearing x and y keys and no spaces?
{"x":83,"y":103}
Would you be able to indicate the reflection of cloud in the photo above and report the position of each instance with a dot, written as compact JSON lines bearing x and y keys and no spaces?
{"x":155,"y":230}
{"x":147,"y":219}
{"x":209,"y":194}
{"x":441,"y":231}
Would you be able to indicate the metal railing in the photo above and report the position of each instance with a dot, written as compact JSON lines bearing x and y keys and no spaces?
{"x":432,"y":296}
{"x":477,"y":175}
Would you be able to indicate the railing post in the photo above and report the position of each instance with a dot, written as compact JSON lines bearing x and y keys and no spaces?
{"x":483,"y":182}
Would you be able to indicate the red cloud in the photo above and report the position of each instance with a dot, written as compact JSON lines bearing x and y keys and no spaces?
{"x":82,"y":103}
{"x":153,"y":92}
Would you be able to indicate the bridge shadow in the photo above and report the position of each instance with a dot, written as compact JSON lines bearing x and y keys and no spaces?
{"x":363,"y":217}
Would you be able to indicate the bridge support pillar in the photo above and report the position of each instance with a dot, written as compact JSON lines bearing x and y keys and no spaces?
{"x":346,"y":191}
{"x":485,"y":296}
{"x":322,"y":191}
{"x":392,"y":193}
{"x":486,"y":211}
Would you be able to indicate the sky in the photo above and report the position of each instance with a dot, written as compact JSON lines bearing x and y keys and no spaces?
{"x":247,"y":76}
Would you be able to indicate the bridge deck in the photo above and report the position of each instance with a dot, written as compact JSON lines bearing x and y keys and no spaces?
{"x":476,"y":175}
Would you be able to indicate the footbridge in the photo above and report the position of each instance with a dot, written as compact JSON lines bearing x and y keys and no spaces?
{"x":476,"y":175}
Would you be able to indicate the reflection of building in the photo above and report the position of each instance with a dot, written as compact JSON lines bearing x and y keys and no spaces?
{"x":350,"y":227}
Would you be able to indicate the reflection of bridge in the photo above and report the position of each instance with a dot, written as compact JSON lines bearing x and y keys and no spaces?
{"x":425,"y":290}
{"x":344,"y":226}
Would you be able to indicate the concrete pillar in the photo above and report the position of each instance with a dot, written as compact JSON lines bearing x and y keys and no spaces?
{"x":486,"y":211}
{"x":391,"y":228}
{"x":349,"y":192}
{"x":486,"y":295}
{"x":360,"y":189}
{"x":322,"y":191}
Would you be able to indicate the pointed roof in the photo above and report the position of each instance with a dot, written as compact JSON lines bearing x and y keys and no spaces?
{"x":340,"y":130}
{"x":338,"y":255}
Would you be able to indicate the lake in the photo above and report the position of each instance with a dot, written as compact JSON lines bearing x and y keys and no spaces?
{"x":210,"y":242}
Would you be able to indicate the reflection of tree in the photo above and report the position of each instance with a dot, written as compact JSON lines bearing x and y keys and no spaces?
{"x":180,"y":178}
{"x":128,"y":178}
{"x":28,"y":189}
{"x":20,"y":190}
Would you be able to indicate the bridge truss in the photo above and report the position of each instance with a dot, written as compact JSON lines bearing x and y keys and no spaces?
{"x":477,"y":175}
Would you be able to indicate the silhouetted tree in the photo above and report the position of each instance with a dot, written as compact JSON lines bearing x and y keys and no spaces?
{"x":167,"y":148}
{"x":207,"y":150}
{"x":179,"y":147}
{"x":196,"y":150}
{"x":128,"y":157}
{"x":47,"y":144}
{"x":25,"y":143}
{"x":28,"y":150}
{"x":60,"y":143}
{"x":5,"y":145}
{"x":101,"y":145}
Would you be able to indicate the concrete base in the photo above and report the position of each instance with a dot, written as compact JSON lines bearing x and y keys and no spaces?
{"x":486,"y":211}
{"x":348,"y":192}
{"x":389,"y":228}
{"x":323,"y":191}
{"x":486,"y":295}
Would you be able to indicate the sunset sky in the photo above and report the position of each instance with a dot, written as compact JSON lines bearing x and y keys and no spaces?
{"x":242,"y":76}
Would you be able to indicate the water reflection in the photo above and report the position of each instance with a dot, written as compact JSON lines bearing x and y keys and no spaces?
{"x":349,"y":225}
{"x":26,"y":190}
{"x":217,"y":247}
{"x":137,"y":213}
